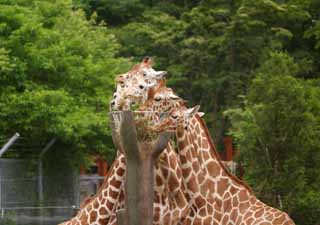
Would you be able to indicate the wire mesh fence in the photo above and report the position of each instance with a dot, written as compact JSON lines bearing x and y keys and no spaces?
{"x":20,"y":200}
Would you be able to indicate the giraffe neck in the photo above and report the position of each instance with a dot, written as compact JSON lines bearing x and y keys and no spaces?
{"x":208,"y":155}
{"x":231,"y":196}
{"x":193,"y":174}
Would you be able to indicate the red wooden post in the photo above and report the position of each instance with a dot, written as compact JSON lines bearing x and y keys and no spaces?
{"x":229,"y":147}
{"x":82,"y":170}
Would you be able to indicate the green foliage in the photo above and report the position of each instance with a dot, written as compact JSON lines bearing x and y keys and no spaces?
{"x":277,"y":132}
{"x":57,"y":68}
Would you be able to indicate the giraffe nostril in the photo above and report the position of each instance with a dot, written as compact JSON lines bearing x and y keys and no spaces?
{"x":141,"y":86}
{"x":112,"y":103}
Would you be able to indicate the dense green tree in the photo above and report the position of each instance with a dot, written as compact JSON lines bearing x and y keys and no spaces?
{"x":56,"y":74}
{"x":277,"y":130}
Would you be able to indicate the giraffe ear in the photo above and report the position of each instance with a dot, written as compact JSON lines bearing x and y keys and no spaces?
{"x":160,"y":74}
{"x":192,"y":111}
{"x":173,"y":96}
{"x":201,"y":114}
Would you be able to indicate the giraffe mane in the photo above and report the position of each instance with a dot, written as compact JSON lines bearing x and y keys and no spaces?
{"x":214,"y":151}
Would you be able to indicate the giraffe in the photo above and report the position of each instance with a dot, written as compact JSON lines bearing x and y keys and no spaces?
{"x":170,"y":205}
{"x":233,"y":200}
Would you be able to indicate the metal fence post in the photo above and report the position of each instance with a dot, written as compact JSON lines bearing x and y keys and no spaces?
{"x":9,"y":143}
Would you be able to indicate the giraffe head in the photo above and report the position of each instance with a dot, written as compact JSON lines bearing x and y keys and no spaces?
{"x":133,"y":86}
{"x":162,"y":99}
{"x":177,"y":119}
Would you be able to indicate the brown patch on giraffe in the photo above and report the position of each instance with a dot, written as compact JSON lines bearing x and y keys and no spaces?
{"x":243,"y":195}
{"x":156,"y":215}
{"x":93,"y":216}
{"x":279,"y":220}
{"x":121,"y":196}
{"x":205,"y":155}
{"x":109,"y":205}
{"x":158,"y":180}
{"x":186,"y":172}
{"x":173,"y":182}
{"x":225,"y":219}
{"x":209,"y":209}
{"x":253,"y":200}
{"x":227,"y":195}
{"x":192,"y":213}
{"x":103,"y":211}
{"x":289,"y":222}
{"x":175,"y":215}
{"x":83,"y":217}
{"x":207,"y":221}
{"x":233,"y":215}
{"x":189,"y":154}
{"x":269,"y":216}
{"x":103,"y":221}
{"x":235,"y":201}
{"x":218,"y":215}
{"x":182,"y":144}
{"x":156,"y":197}
{"x":120,"y":171}
{"x":258,"y":213}
{"x":172,"y":162}
{"x":197,"y":221}
{"x":195,"y":166}
{"x":250,"y":221}
{"x":95,"y":204}
{"x":210,"y":185}
{"x":222,"y":186}
{"x":197,"y":128}
{"x":180,"y":200}
{"x":244,"y":206}
{"x":112,"y":193}
{"x":213,"y":169}
{"x":115,"y":183}
{"x":166,"y":218}
{"x":227,"y":205}
{"x":233,"y":190}
{"x":205,"y":143}
{"x":200,"y":202}
{"x":165,"y":171}
{"x":202,"y":212}
{"x":183,"y":159}
{"x":192,"y":185}
{"x":188,"y":221}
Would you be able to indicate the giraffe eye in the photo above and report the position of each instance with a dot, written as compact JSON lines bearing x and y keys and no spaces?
{"x":157,"y":99}
{"x":144,"y":74}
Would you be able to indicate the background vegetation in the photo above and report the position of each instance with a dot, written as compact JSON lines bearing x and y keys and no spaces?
{"x":252,"y":65}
